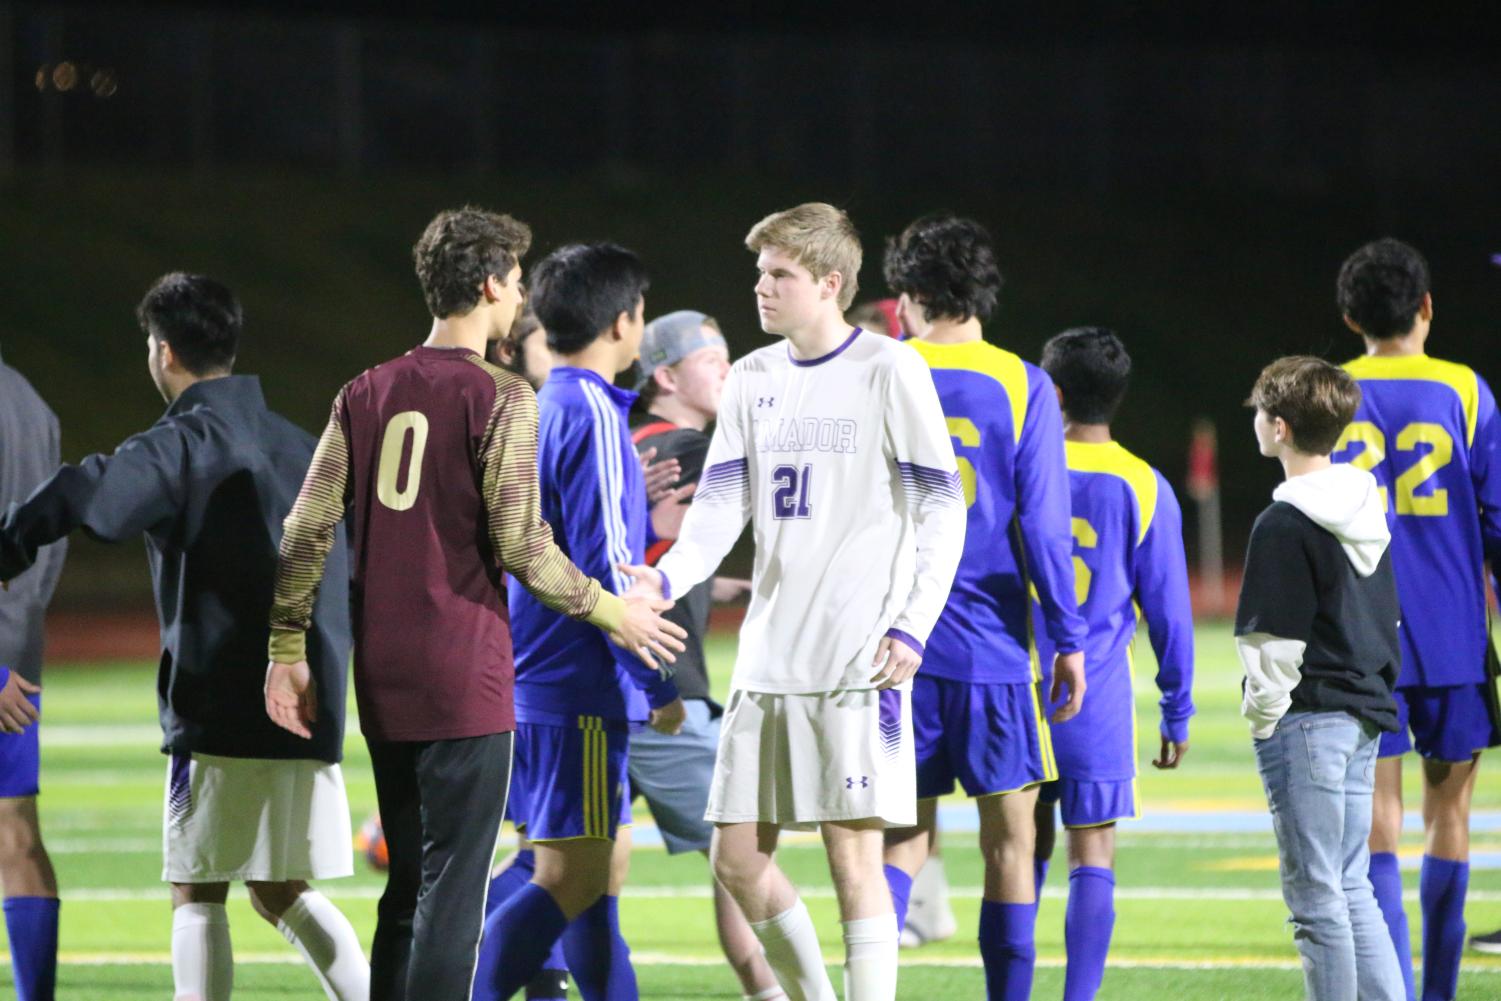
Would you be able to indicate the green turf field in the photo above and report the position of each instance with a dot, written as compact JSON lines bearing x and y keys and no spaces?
{"x":1199,"y":912}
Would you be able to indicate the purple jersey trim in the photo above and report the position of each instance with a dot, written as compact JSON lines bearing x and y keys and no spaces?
{"x":666,"y":585}
{"x":724,"y":481}
{"x":180,"y":787}
{"x":891,"y":722}
{"x":925,"y":481}
{"x":819,"y":361}
{"x":906,"y":638}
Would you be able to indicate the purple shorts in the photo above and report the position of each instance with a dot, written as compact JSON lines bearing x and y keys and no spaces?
{"x":990,"y":738}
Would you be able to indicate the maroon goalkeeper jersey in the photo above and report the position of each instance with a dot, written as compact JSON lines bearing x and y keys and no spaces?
{"x":433,"y":455}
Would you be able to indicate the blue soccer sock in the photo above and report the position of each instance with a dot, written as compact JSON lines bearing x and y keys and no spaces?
{"x":901,"y":893}
{"x":31,"y":923}
{"x":1039,"y":876}
{"x":1087,"y":926}
{"x":512,"y":878}
{"x":598,"y":957}
{"x":517,"y":938}
{"x":1009,"y":948}
{"x":1441,"y":888}
{"x":1386,"y":880}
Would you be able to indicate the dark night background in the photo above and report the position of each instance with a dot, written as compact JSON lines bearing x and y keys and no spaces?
{"x":1191,"y":177}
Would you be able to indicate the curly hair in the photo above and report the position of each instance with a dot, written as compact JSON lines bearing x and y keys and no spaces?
{"x":1381,"y":288}
{"x":460,"y":249}
{"x":947,"y":264}
{"x":1091,"y":368}
{"x":199,"y":317}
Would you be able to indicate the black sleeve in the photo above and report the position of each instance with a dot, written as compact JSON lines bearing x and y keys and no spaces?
{"x":1278,"y":594}
{"x":688,"y":446}
{"x":112,"y":497}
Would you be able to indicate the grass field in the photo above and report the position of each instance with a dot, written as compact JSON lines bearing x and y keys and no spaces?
{"x":1199,"y":910}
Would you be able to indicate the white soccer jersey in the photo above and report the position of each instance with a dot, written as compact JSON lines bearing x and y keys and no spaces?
{"x":844,"y":464}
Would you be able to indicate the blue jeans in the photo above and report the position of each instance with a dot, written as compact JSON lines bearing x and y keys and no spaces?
{"x":1318,"y":769}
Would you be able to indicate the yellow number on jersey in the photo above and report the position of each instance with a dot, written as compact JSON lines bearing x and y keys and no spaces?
{"x":389,"y":471}
{"x":1087,"y":538}
{"x":965,"y":435}
{"x":1440,"y":452}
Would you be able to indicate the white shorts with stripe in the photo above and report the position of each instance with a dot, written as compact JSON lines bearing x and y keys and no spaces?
{"x":796,"y":760}
{"x":257,"y":819}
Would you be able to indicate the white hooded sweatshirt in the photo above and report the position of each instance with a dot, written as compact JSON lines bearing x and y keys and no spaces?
{"x":1346,"y":502}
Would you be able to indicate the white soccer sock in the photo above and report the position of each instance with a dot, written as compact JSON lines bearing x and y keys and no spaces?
{"x":203,"y":963}
{"x":870,"y":959}
{"x":792,"y":952}
{"x":324,"y":936}
{"x":769,"y":994}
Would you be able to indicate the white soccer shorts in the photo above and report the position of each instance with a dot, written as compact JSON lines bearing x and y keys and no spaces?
{"x":263,"y":820}
{"x":796,"y":760}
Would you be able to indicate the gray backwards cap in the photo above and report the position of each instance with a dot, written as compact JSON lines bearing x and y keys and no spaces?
{"x":671,"y":338}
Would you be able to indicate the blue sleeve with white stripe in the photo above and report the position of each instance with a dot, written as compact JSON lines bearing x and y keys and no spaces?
{"x":602,"y":501}
{"x":1162,"y":592}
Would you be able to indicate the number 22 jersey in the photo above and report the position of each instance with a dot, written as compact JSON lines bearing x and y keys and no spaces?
{"x":1428,"y":430}
{"x":844,"y":464}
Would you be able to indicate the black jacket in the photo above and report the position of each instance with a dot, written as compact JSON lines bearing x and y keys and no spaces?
{"x":209,"y":485}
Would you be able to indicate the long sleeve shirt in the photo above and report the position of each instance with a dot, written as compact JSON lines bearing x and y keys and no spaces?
{"x":594,"y":499}
{"x":844,"y":466}
{"x":434,"y":456}
{"x":208,"y":486}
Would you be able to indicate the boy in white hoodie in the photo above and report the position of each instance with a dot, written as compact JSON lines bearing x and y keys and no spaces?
{"x":1316,"y":630}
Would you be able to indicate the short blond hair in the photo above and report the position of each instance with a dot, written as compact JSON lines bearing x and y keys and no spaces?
{"x":818,"y":236}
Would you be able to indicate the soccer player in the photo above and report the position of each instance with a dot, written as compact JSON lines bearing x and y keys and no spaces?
{"x":208,"y":485}
{"x":1128,"y":537}
{"x":975,"y":707}
{"x":29,"y":453}
{"x":1427,"y":429}
{"x":577,"y":695}
{"x":435,"y":453}
{"x":1315,"y":629}
{"x":684,"y":364}
{"x":833,"y":444}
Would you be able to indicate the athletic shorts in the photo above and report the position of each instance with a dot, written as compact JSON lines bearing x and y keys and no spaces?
{"x":570,"y":781}
{"x":1091,"y":804}
{"x":21,"y":759}
{"x":1448,"y":723}
{"x":991,"y":738}
{"x":673,"y":774}
{"x":796,"y":760}
{"x":231,"y":820}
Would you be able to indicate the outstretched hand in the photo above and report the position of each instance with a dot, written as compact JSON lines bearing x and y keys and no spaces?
{"x":1068,"y":676}
{"x":644,"y":631}
{"x":291,"y":697}
{"x":667,"y":514}
{"x":659,"y":476}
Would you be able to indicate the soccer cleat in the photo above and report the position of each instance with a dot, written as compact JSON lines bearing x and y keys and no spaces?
{"x":548,"y":985}
{"x":930,"y":918}
{"x":1487,"y":943}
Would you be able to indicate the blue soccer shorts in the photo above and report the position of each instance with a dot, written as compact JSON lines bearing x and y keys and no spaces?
{"x":1447,"y":723}
{"x":990,"y":738}
{"x":21,"y":759}
{"x":1096,"y":752}
{"x":570,"y":781}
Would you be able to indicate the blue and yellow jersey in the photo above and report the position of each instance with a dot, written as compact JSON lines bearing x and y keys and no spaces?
{"x":1007,"y":433}
{"x":1129,"y":565}
{"x":1427,"y":430}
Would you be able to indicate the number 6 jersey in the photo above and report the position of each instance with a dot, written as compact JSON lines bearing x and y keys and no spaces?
{"x":435,"y":456}
{"x":843,"y":464}
{"x":1427,"y":429}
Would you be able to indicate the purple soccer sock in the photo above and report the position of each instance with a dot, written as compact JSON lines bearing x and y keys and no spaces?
{"x":517,"y":938}
{"x":1039,"y":877}
{"x":901,"y":894}
{"x":516,"y":875}
{"x":31,"y":923}
{"x":1386,"y":880}
{"x":1087,"y":926}
{"x":1008,"y":947}
{"x":1441,"y":888}
{"x":598,"y":957}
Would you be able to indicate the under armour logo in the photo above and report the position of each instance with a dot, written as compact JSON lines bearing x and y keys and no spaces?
{"x":765,"y":401}
{"x":851,"y":780}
